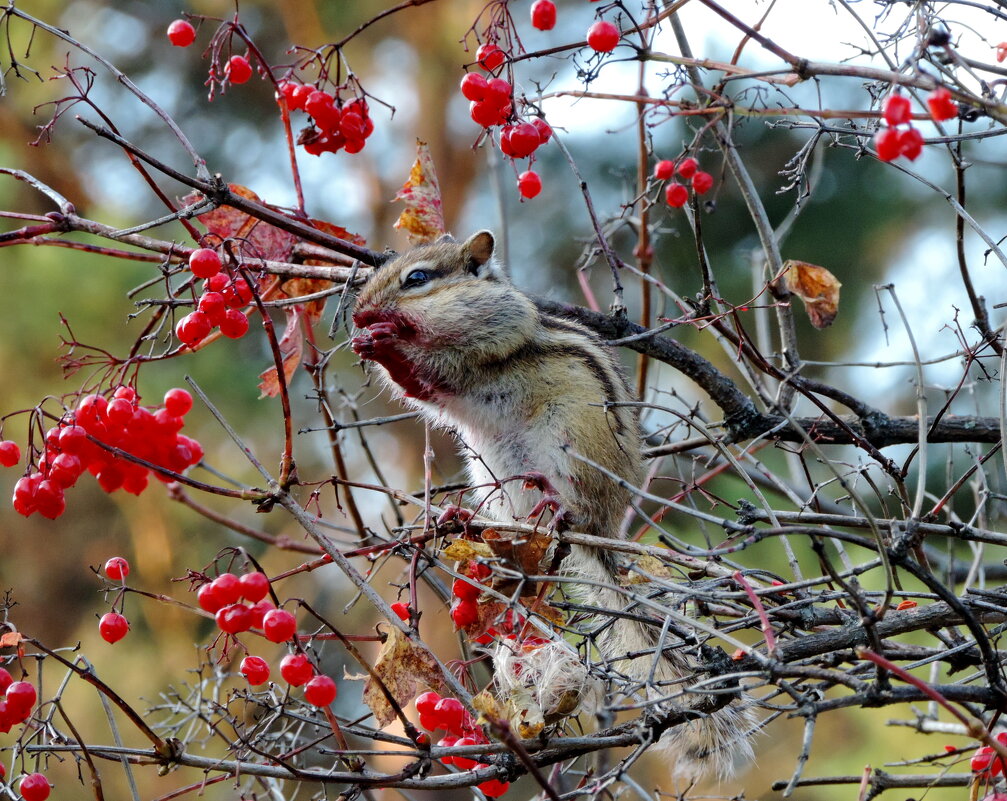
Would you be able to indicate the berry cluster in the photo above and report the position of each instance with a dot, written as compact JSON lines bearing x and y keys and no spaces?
{"x":465,"y":609}
{"x":449,"y":714}
{"x":335,"y":125}
{"x":676,"y":194}
{"x":985,"y":760}
{"x":238,"y":603}
{"x":113,"y":626}
{"x":899,"y":137}
{"x":149,"y":433}
{"x":17,"y":702}
{"x":220,"y":305}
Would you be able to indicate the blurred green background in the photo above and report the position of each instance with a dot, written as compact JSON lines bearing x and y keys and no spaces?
{"x":866,"y":223}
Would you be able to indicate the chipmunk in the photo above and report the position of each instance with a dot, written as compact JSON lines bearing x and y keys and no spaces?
{"x":456,"y":340}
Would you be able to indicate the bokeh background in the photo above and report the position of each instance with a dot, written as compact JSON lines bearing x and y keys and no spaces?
{"x":866,"y":222}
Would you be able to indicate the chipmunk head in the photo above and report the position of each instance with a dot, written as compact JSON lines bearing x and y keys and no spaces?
{"x":444,"y":294}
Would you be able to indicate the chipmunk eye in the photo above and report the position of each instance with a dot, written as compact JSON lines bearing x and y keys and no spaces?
{"x":416,"y":278}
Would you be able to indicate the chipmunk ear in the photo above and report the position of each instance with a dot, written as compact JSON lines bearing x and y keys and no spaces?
{"x":478,"y":250}
{"x":445,"y":239}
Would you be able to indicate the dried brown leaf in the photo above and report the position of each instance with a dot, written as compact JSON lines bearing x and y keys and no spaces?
{"x":291,"y":348}
{"x":817,"y":287}
{"x":529,"y":551}
{"x":464,"y":550}
{"x":423,"y":218}
{"x":405,"y":670}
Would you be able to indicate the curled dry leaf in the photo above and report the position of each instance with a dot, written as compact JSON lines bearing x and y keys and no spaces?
{"x":817,"y":287}
{"x":422,"y":219}
{"x":650,"y":567}
{"x":464,"y":550}
{"x":405,"y":670}
{"x":291,"y":347}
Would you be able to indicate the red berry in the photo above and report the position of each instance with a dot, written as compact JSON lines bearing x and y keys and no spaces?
{"x":473,"y":86}
{"x":544,"y":131}
{"x":279,"y":625}
{"x":6,"y":680}
{"x":235,"y":324}
{"x":113,"y":627}
{"x":448,"y":741}
{"x":524,"y":139}
{"x":320,"y":105}
{"x":204,"y":262}
{"x":73,"y":439}
{"x":702,"y":182}
{"x":296,"y":669}
{"x":942,"y":106}
{"x":177,"y":402}
{"x":451,"y":714}
{"x":498,"y":92}
{"x":529,"y":184}
{"x":603,"y":36}
{"x":255,"y":669}
{"x":664,"y":169}
{"x":228,"y":587}
{"x":465,"y":590}
{"x":426,"y":702}
{"x":543,"y":15}
{"x":181,"y":33}
{"x":119,"y":412}
{"x":49,"y":500}
{"x":125,"y":392}
{"x":212,"y":305}
{"x":65,"y":470}
{"x":193,"y":328}
{"x":485,"y":113}
{"x":21,"y":698}
{"x":464,"y":613}
{"x":676,"y":195}
{"x":897,"y":109}
{"x":117,"y":568}
{"x":401,"y":609}
{"x":254,"y":586}
{"x":490,"y":56}
{"x":886,"y":142}
{"x":259,"y":611}
{"x":320,"y":691}
{"x":234,"y":618}
{"x":494,"y":788}
{"x":209,"y":598}
{"x":24,"y":494}
{"x":464,"y":762}
{"x":215,"y":283}
{"x":687,"y":167}
{"x":910,"y":143}
{"x":237,"y":69}
{"x":34,"y":787}
{"x":299,"y":96}
{"x":10,"y":453}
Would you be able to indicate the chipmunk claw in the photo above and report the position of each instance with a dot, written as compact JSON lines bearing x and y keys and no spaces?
{"x":551,"y":501}
{"x":454,"y":516}
{"x":376,"y":337}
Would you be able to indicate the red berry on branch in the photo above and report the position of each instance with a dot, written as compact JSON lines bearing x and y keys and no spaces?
{"x":117,"y":568}
{"x":544,"y":130}
{"x":21,"y":698}
{"x":6,"y":680}
{"x":255,"y":669}
{"x":676,"y":195}
{"x":113,"y":627}
{"x":687,"y":167}
{"x":942,"y":106}
{"x":910,"y":143}
{"x":177,"y":402}
{"x":426,"y":702}
{"x":465,"y":590}
{"x":299,"y":96}
{"x":213,"y":306}
{"x":254,"y":586}
{"x":65,"y":470}
{"x":452,"y":715}
{"x":10,"y":453}
{"x":237,"y":69}
{"x":603,"y":36}
{"x":209,"y":598}
{"x":473,"y":86}
{"x":402,"y":610}
{"x":181,"y":33}
{"x":897,"y":109}
{"x":543,"y":15}
{"x":235,"y":324}
{"x":664,"y":169}
{"x":34,"y":787}
{"x":119,"y":412}
{"x":490,"y":56}
{"x":524,"y":139}
{"x":193,"y":328}
{"x":296,"y":669}
{"x":228,"y":587}
{"x":494,"y":788}
{"x":485,"y":114}
{"x":529,"y":184}
{"x":259,"y":611}
{"x":279,"y":625}
{"x":320,"y":691}
{"x":234,"y":618}
{"x":49,"y":500}
{"x":886,"y":142}
{"x":204,"y":262}
{"x":702,"y":182}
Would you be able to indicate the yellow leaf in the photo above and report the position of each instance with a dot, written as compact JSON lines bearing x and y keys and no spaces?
{"x":817,"y":287}
{"x":422,"y":219}
{"x":405,"y":670}
{"x":463,"y":550}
